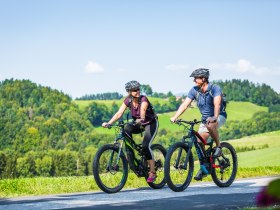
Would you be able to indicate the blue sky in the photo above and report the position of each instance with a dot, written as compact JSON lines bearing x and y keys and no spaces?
{"x":88,"y":47}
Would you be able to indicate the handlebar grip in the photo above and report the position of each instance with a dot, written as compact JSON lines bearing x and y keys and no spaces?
{"x":109,"y":126}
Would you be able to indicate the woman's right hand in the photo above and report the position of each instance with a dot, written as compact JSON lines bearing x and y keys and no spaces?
{"x":173,"y":119}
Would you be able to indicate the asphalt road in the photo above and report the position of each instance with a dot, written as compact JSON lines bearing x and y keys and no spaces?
{"x":240,"y":194}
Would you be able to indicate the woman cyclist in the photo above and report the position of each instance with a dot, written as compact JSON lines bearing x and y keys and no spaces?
{"x":145,"y":120}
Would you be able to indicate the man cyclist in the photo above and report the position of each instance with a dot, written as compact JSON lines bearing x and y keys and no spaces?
{"x":209,"y":98}
{"x":145,"y":118}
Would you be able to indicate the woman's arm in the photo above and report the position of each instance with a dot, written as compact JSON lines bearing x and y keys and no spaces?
{"x":117,"y":116}
{"x":144,"y":106}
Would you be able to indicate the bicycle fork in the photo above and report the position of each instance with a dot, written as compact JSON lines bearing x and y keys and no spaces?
{"x":110,"y":163}
{"x":177,"y":162}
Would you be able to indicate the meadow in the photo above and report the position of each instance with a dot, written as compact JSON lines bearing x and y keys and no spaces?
{"x":237,"y":111}
{"x":258,"y":162}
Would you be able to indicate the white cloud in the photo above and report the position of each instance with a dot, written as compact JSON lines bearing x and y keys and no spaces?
{"x":244,"y":66}
{"x":93,"y":67}
{"x":176,"y":67}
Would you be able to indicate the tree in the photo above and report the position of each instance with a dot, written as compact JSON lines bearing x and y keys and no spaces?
{"x":3,"y":160}
{"x":44,"y":166}
{"x":98,"y":113}
{"x":146,"y":89}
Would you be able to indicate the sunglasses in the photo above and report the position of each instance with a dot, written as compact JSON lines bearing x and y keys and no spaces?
{"x":198,"y":77}
{"x":135,"y":90}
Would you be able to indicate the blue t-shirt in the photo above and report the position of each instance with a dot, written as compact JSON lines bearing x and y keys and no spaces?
{"x":205,"y":101}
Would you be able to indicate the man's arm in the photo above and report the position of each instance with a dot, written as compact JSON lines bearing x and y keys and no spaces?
{"x":181,"y":109}
{"x":217,"y":106}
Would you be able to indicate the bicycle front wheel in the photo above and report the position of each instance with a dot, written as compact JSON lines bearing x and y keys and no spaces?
{"x":110,"y":170}
{"x":178,"y":167}
{"x":159,"y":157}
{"x":226,"y":166}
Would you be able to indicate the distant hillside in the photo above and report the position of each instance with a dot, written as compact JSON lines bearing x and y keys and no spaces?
{"x":243,"y":90}
{"x":235,"y":90}
{"x":34,"y":117}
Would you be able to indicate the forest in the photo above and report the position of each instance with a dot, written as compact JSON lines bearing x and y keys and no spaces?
{"x":44,"y":133}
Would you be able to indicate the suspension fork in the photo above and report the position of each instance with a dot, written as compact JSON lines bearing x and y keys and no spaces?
{"x":119,"y":154}
{"x":188,"y":154}
{"x":180,"y":153}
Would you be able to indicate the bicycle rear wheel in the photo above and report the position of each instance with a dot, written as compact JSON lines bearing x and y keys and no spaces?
{"x":109,"y":171}
{"x":159,"y":157}
{"x":227,"y":164}
{"x":178,"y":169}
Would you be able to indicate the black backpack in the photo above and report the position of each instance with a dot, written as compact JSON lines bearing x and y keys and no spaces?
{"x":224,"y":99}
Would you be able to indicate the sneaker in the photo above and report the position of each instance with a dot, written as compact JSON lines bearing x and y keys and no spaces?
{"x":152,"y":177}
{"x":199,"y":175}
{"x":218,"y":152}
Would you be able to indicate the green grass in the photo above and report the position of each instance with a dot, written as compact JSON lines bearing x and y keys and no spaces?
{"x":243,"y":110}
{"x":45,"y":185}
{"x":84,"y":103}
{"x":262,"y":157}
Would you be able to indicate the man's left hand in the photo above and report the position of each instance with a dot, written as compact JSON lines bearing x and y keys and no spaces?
{"x":211,"y":120}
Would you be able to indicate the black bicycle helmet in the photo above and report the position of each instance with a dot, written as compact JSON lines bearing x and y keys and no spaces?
{"x":201,"y":72}
{"x":132,"y":85}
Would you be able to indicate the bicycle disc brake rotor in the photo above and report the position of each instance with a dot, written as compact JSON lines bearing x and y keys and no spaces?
{"x":158,"y":165}
{"x":112,"y":169}
{"x":180,"y":168}
{"x":223,"y":163}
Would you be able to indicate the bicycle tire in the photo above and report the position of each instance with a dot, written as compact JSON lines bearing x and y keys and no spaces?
{"x":159,"y":166}
{"x":172,"y":173}
{"x":222,"y":161}
{"x":110,"y":179}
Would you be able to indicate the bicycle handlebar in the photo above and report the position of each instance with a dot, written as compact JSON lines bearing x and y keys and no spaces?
{"x":120,"y":124}
{"x":180,"y":121}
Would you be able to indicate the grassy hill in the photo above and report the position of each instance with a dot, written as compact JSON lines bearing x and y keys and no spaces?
{"x":236,"y":111}
{"x":84,"y":103}
{"x":260,"y":157}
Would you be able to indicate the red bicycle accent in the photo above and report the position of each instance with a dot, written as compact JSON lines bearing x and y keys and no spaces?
{"x":201,"y":138}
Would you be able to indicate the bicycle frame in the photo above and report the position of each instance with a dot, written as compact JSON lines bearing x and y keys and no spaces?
{"x":203,"y":156}
{"x":130,"y":148}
